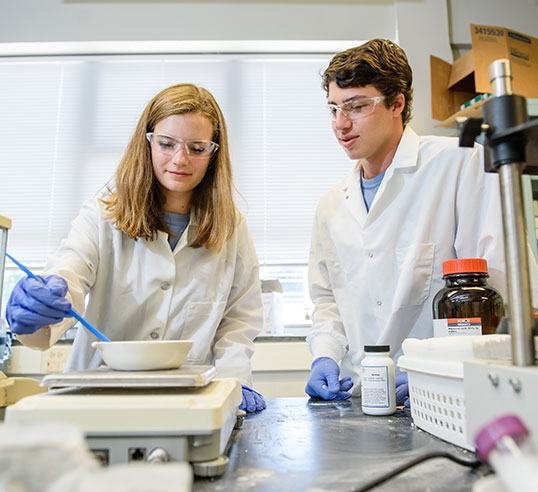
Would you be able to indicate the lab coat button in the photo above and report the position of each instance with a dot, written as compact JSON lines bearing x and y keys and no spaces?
{"x":379,"y":303}
{"x":370,"y":255}
{"x":154,"y":335}
{"x":165,"y":286}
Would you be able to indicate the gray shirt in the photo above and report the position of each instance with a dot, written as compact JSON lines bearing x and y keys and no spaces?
{"x":177,"y":223}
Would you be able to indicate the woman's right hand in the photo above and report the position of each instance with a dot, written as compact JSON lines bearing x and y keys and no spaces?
{"x":33,"y":304}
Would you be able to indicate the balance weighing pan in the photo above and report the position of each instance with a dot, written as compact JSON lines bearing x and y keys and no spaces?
{"x":144,"y":355}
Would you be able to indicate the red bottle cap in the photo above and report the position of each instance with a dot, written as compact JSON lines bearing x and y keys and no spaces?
{"x":465,"y":265}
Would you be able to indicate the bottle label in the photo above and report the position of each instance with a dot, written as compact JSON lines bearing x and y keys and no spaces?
{"x":457,"y":327}
{"x":375,"y":386}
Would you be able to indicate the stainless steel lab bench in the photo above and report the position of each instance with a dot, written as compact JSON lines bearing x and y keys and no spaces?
{"x":297,"y":444}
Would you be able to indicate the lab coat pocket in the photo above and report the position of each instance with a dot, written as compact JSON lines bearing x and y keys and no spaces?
{"x":201,"y":324}
{"x":415,"y":267}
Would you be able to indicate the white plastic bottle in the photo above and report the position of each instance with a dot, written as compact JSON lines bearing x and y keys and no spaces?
{"x":378,"y":389}
{"x":504,"y":443}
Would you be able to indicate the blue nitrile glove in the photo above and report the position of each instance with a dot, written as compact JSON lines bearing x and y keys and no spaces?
{"x":323,"y":381}
{"x":33,"y":305}
{"x":402,"y":389}
{"x":252,"y":400}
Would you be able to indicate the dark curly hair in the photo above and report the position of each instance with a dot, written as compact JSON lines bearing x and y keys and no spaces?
{"x":379,"y":62}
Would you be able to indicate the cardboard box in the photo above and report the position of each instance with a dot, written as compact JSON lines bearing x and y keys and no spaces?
{"x":453,"y":85}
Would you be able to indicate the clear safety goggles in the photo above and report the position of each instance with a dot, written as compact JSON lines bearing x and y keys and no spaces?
{"x":355,"y":108}
{"x":165,"y":144}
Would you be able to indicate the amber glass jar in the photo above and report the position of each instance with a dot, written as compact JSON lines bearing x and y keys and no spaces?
{"x":466,"y":305}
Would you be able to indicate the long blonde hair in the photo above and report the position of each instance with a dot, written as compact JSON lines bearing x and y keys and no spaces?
{"x":135,"y":201}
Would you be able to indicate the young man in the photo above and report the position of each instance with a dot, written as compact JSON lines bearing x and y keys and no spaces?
{"x":381,"y":235}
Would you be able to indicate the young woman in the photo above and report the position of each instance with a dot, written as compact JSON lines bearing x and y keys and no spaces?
{"x":161,"y":254}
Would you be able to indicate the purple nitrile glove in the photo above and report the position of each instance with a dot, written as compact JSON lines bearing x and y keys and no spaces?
{"x":402,"y":389}
{"x":252,"y":400}
{"x":324,"y":383}
{"x":33,"y":305}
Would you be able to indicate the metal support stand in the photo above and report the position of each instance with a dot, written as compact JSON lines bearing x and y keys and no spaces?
{"x":509,"y":142}
{"x":5,"y":225}
{"x":5,"y":337}
{"x":517,"y":265}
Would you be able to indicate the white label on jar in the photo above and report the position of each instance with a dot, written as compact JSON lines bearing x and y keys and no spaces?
{"x":457,"y":327}
{"x":375,"y":386}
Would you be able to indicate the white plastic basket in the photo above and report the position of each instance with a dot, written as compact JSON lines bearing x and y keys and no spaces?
{"x":435,"y":373}
{"x":437,"y":398}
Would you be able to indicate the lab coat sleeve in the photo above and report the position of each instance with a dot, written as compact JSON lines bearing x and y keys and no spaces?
{"x":76,"y":261}
{"x":243,"y":315}
{"x":327,"y":337}
{"x":480,"y":231}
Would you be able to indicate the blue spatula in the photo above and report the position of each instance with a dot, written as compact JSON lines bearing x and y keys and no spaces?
{"x":71,"y":311}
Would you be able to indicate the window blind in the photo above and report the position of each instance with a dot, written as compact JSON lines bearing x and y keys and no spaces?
{"x":67,"y":119}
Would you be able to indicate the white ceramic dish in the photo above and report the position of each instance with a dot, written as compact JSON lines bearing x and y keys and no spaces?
{"x":144,"y":355}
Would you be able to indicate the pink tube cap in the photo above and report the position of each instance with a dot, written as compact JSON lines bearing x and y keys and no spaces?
{"x":487,"y":437}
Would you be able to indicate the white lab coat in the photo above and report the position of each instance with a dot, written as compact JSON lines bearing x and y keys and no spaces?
{"x":142,"y":290}
{"x":373,"y":275}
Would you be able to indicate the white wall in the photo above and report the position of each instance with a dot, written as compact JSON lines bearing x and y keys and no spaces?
{"x":56,"y":20}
